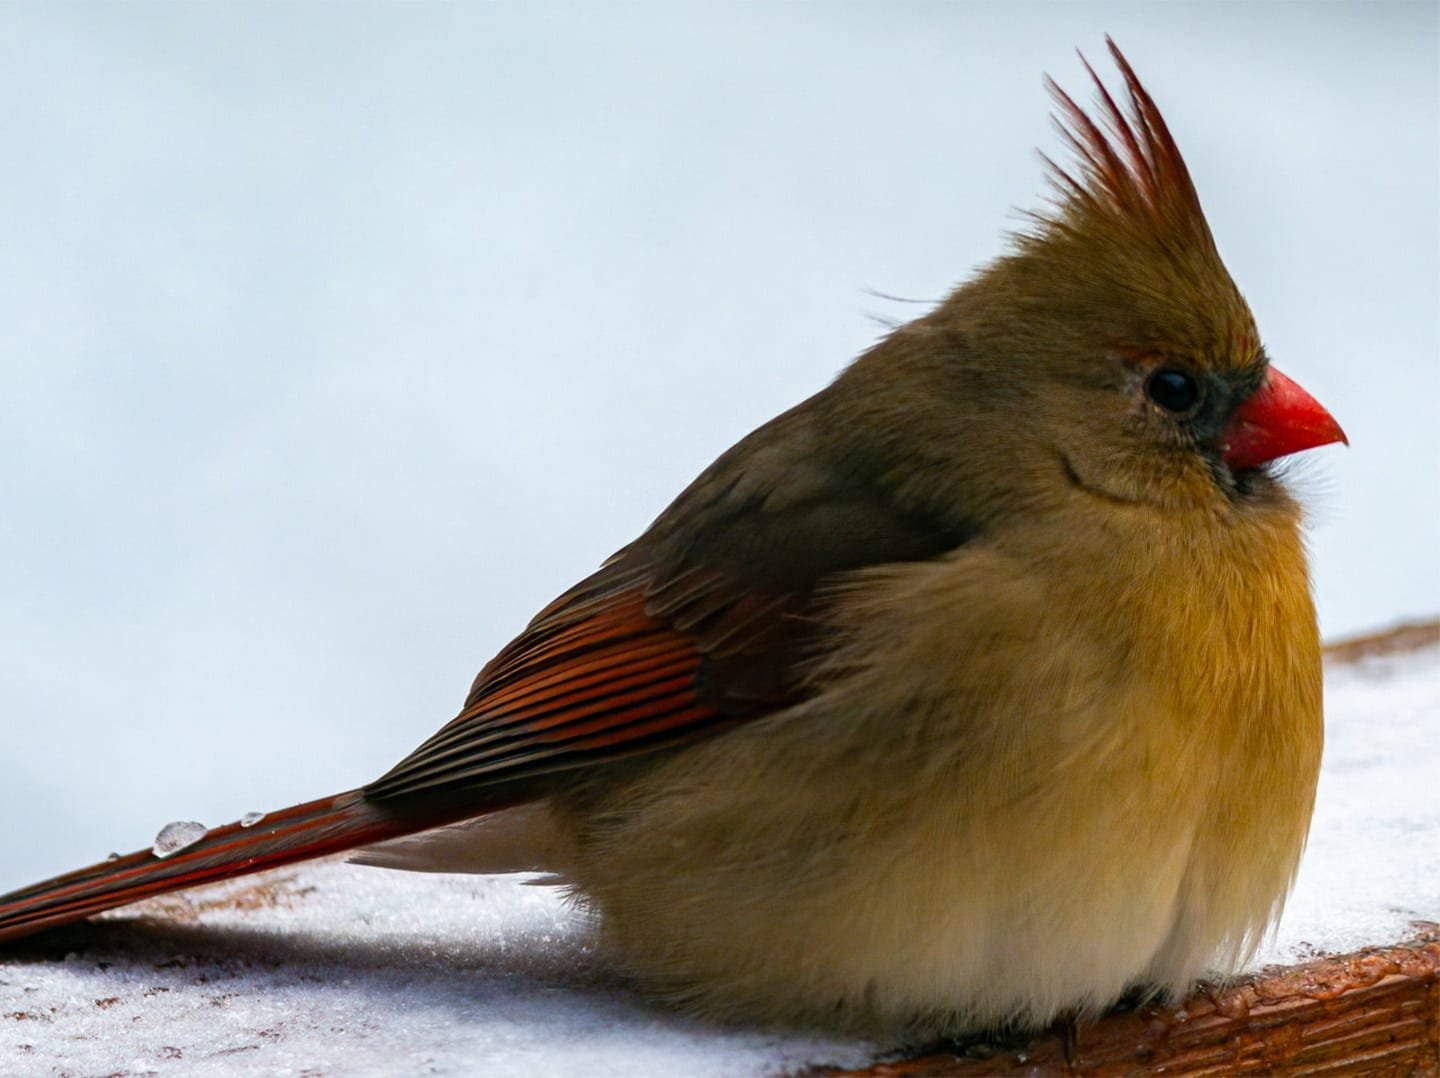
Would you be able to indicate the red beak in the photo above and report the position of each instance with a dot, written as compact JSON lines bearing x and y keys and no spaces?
{"x":1279,"y":419}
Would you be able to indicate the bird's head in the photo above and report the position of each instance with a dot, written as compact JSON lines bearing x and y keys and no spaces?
{"x":1116,"y":336}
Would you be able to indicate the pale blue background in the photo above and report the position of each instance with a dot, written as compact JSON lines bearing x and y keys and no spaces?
{"x":335,"y":340}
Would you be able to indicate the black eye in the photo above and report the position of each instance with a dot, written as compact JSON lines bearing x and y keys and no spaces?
{"x":1173,"y":390}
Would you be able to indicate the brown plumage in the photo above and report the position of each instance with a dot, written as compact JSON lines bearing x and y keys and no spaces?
{"x":977,"y":689}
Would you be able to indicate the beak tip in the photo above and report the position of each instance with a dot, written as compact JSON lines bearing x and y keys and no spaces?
{"x":1278,"y":420}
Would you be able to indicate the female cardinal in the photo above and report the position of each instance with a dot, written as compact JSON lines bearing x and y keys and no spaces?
{"x":977,"y":689}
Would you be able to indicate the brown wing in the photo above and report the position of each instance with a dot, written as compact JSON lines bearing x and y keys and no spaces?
{"x":705,"y":621}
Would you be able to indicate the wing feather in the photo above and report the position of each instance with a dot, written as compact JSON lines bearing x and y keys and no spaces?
{"x":708,"y":619}
{"x":592,"y":679}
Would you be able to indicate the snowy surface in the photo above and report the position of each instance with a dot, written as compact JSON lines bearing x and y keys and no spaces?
{"x":342,"y":970}
{"x":1372,"y":866}
{"x":334,"y":969}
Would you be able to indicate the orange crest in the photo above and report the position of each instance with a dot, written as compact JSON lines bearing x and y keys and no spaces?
{"x":1130,"y":171}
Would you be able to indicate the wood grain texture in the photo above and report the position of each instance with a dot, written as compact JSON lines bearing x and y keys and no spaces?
{"x":1412,"y":636}
{"x":1372,"y":1013}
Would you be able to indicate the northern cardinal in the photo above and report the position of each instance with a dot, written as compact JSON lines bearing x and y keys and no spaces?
{"x":977,"y":689}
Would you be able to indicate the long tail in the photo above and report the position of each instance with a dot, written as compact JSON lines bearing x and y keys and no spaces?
{"x":314,"y":829}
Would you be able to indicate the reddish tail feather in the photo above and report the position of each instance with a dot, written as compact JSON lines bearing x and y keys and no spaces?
{"x":314,"y":829}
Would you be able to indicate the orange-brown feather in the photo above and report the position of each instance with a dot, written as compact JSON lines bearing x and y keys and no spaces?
{"x":1134,"y":176}
{"x":603,"y":672}
{"x":314,"y":829}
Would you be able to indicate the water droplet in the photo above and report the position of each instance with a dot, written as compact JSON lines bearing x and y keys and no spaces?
{"x":250,"y":819}
{"x":174,"y":837}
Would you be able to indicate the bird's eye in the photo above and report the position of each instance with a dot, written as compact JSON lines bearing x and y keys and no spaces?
{"x":1173,"y":390}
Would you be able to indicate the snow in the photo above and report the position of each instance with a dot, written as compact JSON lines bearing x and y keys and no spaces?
{"x":1372,"y":866}
{"x":337,"y":969}
{"x":341,"y":969}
